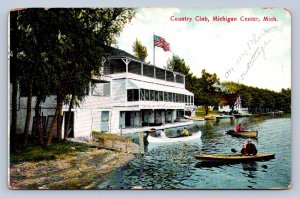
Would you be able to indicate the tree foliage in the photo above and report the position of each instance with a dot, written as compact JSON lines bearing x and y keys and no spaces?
{"x":208,"y":94}
{"x":208,"y":91}
{"x":260,"y":100}
{"x":59,"y":50}
{"x":204,"y":89}
{"x":140,"y":51}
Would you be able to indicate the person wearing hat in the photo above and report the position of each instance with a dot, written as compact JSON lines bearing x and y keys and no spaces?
{"x":250,"y":148}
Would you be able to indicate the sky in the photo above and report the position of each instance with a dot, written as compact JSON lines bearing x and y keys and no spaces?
{"x":255,"y":53}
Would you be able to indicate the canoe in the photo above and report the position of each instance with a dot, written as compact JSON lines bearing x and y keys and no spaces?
{"x":234,"y":157}
{"x":194,"y":136}
{"x":247,"y":134}
{"x":209,"y":117}
{"x":196,"y":119}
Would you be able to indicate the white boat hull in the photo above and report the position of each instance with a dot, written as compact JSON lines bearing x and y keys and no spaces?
{"x":194,"y":136}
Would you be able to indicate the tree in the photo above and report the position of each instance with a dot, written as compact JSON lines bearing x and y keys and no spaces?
{"x":140,"y":51}
{"x":66,"y":46}
{"x":204,"y":89}
{"x":30,"y":48}
{"x":208,"y":92}
{"x":177,"y":64}
{"x":81,"y":44}
{"x":231,"y":94}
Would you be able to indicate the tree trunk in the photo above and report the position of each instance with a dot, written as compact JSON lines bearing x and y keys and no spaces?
{"x":28,"y":113}
{"x":206,"y":109}
{"x":69,"y":118}
{"x":232,"y":109}
{"x":54,"y":122}
{"x":59,"y":123}
{"x":39,"y":120}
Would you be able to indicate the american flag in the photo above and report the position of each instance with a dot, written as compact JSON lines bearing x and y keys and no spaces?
{"x":161,"y":42}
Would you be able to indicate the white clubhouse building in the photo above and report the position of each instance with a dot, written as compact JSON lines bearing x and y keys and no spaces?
{"x":130,"y":96}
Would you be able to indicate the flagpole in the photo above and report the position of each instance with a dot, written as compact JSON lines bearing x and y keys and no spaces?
{"x":153,"y":50}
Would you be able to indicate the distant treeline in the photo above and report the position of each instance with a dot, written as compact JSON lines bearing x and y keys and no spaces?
{"x":209,"y":91}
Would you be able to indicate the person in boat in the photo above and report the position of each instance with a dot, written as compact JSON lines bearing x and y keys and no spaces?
{"x":249,"y":148}
{"x":239,"y":128}
{"x":185,"y":132}
{"x":157,"y":133}
{"x":163,"y":134}
{"x":243,"y":151}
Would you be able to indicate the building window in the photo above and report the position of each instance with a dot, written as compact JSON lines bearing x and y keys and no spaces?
{"x":104,"y":116}
{"x":117,"y":66}
{"x":156,"y":96}
{"x":179,"y":78}
{"x":101,"y":89}
{"x":142,"y":94}
{"x":170,"y":76}
{"x":160,"y":74}
{"x":169,"y":97}
{"x":135,"y":67}
{"x":160,"y":96}
{"x":148,"y":71}
{"x":166,"y":96}
{"x":132,"y":95}
{"x":152,"y":95}
{"x":177,"y":98}
{"x":147,"y":97}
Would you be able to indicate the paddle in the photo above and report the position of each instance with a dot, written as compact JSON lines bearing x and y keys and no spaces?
{"x":233,"y":150}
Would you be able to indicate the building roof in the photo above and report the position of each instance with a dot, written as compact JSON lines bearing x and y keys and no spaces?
{"x":229,"y":99}
{"x":112,"y":51}
{"x":118,"y":53}
{"x":135,"y":84}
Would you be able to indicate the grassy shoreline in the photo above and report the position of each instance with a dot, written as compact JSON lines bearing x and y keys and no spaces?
{"x":63,"y":166}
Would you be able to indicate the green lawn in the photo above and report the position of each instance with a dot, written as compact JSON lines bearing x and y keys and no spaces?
{"x":200,"y":112}
{"x":33,"y":152}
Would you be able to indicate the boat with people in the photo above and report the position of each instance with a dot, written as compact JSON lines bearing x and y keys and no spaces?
{"x":160,"y":139}
{"x":246,"y":134}
{"x":234,"y":157}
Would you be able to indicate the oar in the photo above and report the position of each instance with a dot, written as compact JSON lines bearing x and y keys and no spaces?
{"x":233,"y":150}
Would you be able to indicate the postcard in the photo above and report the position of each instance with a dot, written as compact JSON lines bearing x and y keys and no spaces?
{"x":149,"y":98}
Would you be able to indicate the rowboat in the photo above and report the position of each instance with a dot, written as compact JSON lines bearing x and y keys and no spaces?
{"x":234,"y":157}
{"x":194,"y":136}
{"x":247,"y":134}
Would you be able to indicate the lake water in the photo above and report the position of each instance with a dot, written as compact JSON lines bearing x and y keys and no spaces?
{"x":172,"y":165}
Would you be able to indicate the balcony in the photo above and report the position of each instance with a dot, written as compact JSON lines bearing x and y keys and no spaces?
{"x":124,"y":65}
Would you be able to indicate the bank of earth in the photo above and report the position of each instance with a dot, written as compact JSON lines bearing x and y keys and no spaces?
{"x":70,"y":165}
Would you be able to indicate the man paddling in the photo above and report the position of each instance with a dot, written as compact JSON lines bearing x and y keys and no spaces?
{"x":239,"y":128}
{"x":249,"y":148}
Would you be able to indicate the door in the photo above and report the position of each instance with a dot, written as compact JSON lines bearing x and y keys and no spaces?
{"x":70,"y":131}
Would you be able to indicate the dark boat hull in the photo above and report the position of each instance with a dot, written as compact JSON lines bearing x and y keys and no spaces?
{"x":234,"y":157}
